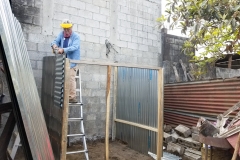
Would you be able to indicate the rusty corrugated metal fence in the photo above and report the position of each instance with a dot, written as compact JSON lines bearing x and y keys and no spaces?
{"x":184,"y":103}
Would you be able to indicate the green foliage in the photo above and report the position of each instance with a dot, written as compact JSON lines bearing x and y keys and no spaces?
{"x":213,"y":25}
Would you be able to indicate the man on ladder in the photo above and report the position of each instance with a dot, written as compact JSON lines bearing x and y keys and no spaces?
{"x":68,"y":42}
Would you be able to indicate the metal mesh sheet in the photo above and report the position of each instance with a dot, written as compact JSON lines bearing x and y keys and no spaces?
{"x":137,"y":102}
{"x":27,"y":107}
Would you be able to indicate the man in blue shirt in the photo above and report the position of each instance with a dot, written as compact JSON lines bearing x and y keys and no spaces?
{"x":68,"y":42}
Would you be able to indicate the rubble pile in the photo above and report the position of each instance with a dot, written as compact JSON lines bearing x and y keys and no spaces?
{"x":182,"y":141}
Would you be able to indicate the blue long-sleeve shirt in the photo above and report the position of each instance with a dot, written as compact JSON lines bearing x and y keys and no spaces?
{"x":73,"y":49}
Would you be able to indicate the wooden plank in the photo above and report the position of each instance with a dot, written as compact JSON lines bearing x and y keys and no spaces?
{"x":137,"y":125}
{"x":114,"y":64}
{"x":160,"y":115}
{"x":114,"y":103}
{"x":107,"y":112}
{"x":6,"y":136}
{"x":65,"y":110}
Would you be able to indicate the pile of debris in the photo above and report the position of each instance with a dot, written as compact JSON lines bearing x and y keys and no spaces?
{"x":182,"y":141}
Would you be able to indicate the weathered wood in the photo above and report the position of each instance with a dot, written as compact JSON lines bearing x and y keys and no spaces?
{"x":6,"y":136}
{"x":113,"y":64}
{"x":107,"y":112}
{"x":137,"y":125}
{"x":5,"y":107}
{"x":114,"y":103}
{"x":160,"y":114}
{"x":236,"y":149}
{"x":230,"y":61}
{"x":65,"y":110}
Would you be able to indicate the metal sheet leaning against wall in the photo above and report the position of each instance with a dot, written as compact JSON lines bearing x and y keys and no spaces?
{"x":24,"y":95}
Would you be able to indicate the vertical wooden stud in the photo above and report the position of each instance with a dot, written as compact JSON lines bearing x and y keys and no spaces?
{"x":160,"y":115}
{"x":107,"y":112}
{"x":114,"y":103}
{"x":65,"y":110}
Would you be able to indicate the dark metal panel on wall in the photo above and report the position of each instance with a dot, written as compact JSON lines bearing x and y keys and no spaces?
{"x":206,"y":98}
{"x":23,"y":91}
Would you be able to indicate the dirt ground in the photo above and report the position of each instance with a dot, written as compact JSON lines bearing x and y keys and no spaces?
{"x":118,"y":151}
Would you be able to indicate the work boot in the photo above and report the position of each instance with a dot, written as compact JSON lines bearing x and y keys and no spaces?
{"x":73,"y":100}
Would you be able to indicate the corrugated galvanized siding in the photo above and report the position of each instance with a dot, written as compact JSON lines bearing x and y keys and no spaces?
{"x":21,"y":83}
{"x":137,"y":102}
{"x":208,"y":98}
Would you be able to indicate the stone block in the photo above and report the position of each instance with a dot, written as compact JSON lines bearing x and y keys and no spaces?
{"x":78,"y":4}
{"x":152,"y":36}
{"x":132,"y":45}
{"x":189,"y":142}
{"x":92,"y":8}
{"x":104,"y":11}
{"x":183,"y":131}
{"x":195,"y":130}
{"x":195,"y":137}
{"x":191,"y":156}
{"x":143,"y":48}
{"x":91,"y":38}
{"x":175,"y":137}
{"x":193,"y":151}
{"x":167,"y":137}
{"x":99,"y":17}
{"x":85,"y":14}
{"x":92,"y":23}
{"x":175,"y":148}
{"x":125,"y":24}
{"x":124,"y":37}
{"x":99,"y":32}
{"x":104,"y":26}
{"x":167,"y":128}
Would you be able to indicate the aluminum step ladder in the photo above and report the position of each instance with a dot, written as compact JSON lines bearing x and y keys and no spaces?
{"x":70,"y":119}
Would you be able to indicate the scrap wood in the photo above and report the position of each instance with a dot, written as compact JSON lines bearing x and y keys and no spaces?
{"x":236,"y":150}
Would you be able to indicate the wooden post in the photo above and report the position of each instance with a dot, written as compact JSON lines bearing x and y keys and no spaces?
{"x":230,"y":61}
{"x":107,"y":112}
{"x":236,"y":149}
{"x":160,"y":115}
{"x":65,"y":110}
{"x":114,"y":104}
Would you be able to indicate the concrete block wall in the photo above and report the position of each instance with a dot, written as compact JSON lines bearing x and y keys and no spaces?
{"x":127,"y":24}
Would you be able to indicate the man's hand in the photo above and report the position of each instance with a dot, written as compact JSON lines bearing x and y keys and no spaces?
{"x":60,"y":51}
{"x":54,"y":46}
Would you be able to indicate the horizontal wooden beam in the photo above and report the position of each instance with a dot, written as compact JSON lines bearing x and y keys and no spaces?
{"x":114,"y":64}
{"x":137,"y":125}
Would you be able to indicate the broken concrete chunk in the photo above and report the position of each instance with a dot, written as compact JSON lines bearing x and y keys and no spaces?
{"x":167,"y":128}
{"x":191,"y":156}
{"x":175,"y":148}
{"x":167,"y":137}
{"x":183,"y":131}
{"x":189,"y":142}
{"x":195,"y":137}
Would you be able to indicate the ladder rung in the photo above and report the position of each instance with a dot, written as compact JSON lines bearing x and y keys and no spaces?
{"x":77,"y":152}
{"x":75,"y":119}
{"x":72,"y":135}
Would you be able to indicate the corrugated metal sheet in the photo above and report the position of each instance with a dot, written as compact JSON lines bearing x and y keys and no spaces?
{"x":207,"y":98}
{"x":137,"y":102}
{"x":24,"y":94}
